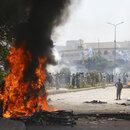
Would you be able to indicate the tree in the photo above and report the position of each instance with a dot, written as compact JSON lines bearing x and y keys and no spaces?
{"x":100,"y":64}
{"x":4,"y":67}
{"x":65,"y":70}
{"x":94,"y":77}
{"x":96,"y":62}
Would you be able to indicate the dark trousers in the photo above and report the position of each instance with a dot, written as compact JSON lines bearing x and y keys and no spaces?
{"x":118,"y":93}
{"x":77,"y":84}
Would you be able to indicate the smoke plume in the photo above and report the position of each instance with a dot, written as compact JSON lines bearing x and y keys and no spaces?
{"x":34,"y":22}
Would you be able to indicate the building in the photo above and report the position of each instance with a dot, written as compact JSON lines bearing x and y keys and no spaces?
{"x":76,"y":52}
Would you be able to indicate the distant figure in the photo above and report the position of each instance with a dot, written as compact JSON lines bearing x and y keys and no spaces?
{"x":116,"y":78}
{"x":120,"y":77}
{"x":104,"y":82}
{"x":57,"y":82}
{"x":111,"y":78}
{"x":73,"y":80}
{"x":124,"y":79}
{"x":77,"y":81}
{"x":119,"y":88}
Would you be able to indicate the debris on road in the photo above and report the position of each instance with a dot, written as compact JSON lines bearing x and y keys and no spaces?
{"x":125,"y":116}
{"x":96,"y":102}
{"x":46,"y":118}
{"x":124,"y":104}
{"x":91,"y":118}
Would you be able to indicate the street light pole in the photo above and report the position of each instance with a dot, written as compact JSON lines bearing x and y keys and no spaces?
{"x":115,"y":45}
{"x":115,"y":26}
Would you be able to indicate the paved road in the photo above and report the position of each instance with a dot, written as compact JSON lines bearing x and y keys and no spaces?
{"x":75,"y":100}
{"x":85,"y":125}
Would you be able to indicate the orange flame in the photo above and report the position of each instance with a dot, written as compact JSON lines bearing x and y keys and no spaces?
{"x":16,"y":99}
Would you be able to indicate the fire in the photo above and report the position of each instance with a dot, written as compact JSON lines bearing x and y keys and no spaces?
{"x":18,"y":98}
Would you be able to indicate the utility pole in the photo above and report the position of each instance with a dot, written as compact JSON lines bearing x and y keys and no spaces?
{"x":115,"y":29}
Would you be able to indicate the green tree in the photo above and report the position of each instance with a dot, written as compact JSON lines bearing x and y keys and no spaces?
{"x":100,"y":64}
{"x":96,"y":62}
{"x":65,"y":70}
{"x":94,"y":77}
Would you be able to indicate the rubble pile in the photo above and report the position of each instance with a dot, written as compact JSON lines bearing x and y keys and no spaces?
{"x":47,"y":118}
{"x":125,"y":116}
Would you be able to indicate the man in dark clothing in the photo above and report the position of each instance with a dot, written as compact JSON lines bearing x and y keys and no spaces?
{"x":73,"y":80}
{"x":119,"y":88}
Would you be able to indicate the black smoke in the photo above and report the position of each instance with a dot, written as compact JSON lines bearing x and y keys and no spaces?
{"x":34,"y":22}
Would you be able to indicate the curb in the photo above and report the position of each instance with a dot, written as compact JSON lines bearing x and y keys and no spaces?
{"x":74,"y":90}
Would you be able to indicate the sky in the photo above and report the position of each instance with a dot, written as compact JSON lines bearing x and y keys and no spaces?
{"x":88,"y":21}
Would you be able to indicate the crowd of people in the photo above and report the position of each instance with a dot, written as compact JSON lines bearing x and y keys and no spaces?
{"x":79,"y":79}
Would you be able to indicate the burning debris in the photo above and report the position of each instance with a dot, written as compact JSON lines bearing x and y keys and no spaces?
{"x":23,"y":98}
{"x":31,"y":24}
{"x":46,"y":118}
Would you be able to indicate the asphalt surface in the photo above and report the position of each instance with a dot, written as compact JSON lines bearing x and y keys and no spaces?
{"x":76,"y":101}
{"x":84,"y":124}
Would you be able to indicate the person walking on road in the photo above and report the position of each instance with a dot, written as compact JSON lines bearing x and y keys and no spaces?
{"x":119,"y":86}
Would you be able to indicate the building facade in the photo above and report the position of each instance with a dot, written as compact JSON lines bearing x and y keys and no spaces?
{"x":76,"y":52}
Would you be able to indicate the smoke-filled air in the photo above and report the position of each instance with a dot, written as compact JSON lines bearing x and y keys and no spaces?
{"x":28,"y":25}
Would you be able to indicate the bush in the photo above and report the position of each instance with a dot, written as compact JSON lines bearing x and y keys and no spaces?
{"x":94,"y":77}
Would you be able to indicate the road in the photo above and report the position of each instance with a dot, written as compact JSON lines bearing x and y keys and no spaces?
{"x":88,"y":125}
{"x":75,"y":101}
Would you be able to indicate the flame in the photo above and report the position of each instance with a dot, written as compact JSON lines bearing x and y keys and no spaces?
{"x":17,"y":99}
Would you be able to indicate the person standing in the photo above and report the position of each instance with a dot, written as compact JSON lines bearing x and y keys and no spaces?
{"x":73,"y":80}
{"x":57,"y":81}
{"x":119,"y":86}
{"x":124,"y":79}
{"x":116,"y":78}
{"x":77,"y":81}
{"x":104,"y":82}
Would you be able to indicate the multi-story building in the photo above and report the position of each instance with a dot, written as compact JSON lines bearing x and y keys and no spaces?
{"x":75,"y":52}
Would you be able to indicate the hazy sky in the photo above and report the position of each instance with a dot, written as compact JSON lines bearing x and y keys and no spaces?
{"x":88,"y":21}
